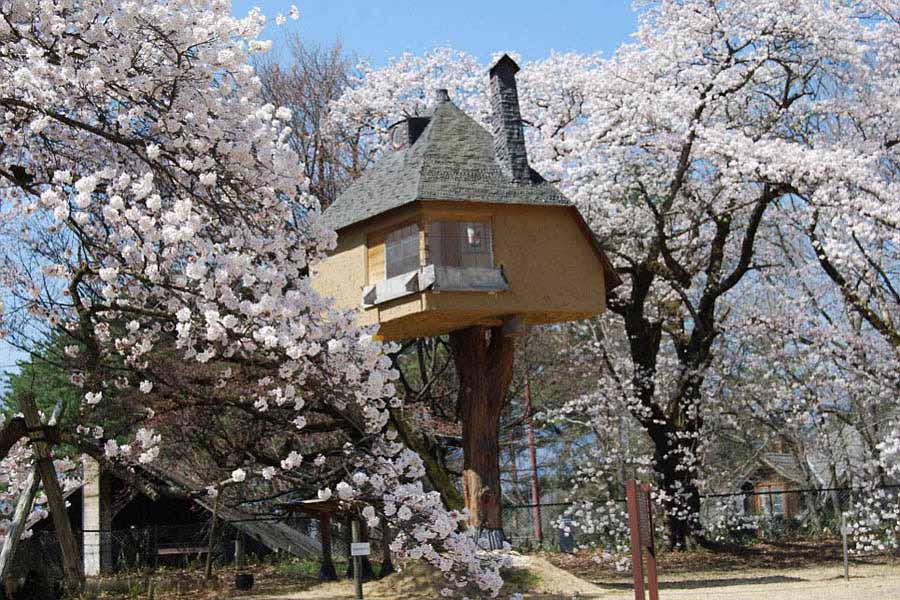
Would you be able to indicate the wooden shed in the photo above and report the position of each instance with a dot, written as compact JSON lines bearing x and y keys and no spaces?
{"x":452,"y":228}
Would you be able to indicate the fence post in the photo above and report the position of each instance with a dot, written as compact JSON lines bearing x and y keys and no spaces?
{"x":532,"y":456}
{"x":844,"y":544}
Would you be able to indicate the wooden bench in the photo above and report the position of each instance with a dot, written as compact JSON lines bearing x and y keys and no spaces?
{"x":176,"y":551}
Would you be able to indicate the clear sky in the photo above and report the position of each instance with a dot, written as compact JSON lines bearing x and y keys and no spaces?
{"x":379,"y":29}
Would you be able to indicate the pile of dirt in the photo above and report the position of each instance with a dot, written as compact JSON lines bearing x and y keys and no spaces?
{"x":532,"y":576}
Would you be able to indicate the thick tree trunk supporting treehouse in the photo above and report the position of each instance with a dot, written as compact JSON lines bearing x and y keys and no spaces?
{"x":68,"y":545}
{"x":326,"y":567}
{"x":485,"y":371}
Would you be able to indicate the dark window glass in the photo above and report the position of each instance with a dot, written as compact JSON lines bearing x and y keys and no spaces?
{"x":460,"y":244}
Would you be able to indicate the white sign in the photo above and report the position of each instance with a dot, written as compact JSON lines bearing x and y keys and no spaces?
{"x":360,"y":549}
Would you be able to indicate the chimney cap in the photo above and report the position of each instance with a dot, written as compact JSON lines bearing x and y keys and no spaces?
{"x":442,"y":95}
{"x":505,"y":63}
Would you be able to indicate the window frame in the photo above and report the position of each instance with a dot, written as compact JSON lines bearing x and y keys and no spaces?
{"x":485,"y":221}
{"x":413,"y":264}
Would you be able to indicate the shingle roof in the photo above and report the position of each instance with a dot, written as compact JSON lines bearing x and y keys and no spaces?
{"x":453,"y":159}
{"x":785,"y":465}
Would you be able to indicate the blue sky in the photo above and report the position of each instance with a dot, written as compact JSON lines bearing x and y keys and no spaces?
{"x":379,"y":29}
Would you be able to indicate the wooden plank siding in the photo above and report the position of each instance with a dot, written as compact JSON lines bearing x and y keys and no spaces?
{"x":375,"y":258}
{"x":554,"y":272}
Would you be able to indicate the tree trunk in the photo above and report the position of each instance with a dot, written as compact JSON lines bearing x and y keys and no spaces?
{"x":682,"y":503}
{"x":437,"y":475}
{"x":485,"y":372}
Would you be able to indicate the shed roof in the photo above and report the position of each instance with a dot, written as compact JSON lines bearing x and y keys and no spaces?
{"x":785,"y":465}
{"x":453,"y":159}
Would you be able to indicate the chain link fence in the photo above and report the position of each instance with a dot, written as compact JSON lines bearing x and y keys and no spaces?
{"x":747,"y":517}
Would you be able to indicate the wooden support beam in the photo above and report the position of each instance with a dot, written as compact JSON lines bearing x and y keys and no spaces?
{"x":44,"y":463}
{"x":326,"y":567}
{"x":12,"y":431}
{"x":387,"y":565}
{"x":19,"y":521}
{"x":23,"y":506}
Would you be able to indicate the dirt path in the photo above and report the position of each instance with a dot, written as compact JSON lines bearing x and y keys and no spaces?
{"x":868,"y":582}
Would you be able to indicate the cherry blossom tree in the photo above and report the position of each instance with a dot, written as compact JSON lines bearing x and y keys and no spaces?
{"x":150,"y":201}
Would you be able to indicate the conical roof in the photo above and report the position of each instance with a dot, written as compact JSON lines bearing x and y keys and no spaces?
{"x":453,"y":159}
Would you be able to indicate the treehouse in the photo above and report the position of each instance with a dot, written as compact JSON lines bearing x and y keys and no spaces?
{"x":452,"y":229}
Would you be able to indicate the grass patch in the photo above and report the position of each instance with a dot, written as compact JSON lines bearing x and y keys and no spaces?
{"x":519,"y":580}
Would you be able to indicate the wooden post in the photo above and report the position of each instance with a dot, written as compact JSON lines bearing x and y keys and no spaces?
{"x":326,"y":567}
{"x":44,"y":464}
{"x":640,"y":523}
{"x":650,"y":546}
{"x":532,"y":453}
{"x":485,"y":372}
{"x":19,"y":520}
{"x":348,"y":540}
{"x":23,"y":506}
{"x":357,"y":561}
{"x":207,"y":573}
{"x":239,"y":550}
{"x":387,"y":566}
{"x":634,"y":525}
{"x":844,"y":546}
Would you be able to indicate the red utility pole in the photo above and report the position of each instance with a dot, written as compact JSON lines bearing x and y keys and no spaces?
{"x":535,"y":490}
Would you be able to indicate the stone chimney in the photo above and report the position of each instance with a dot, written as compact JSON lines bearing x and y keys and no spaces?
{"x":404,"y":134}
{"x":509,"y":136}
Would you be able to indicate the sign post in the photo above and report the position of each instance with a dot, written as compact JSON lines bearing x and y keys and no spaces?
{"x":357,"y":551}
{"x":640,"y":522}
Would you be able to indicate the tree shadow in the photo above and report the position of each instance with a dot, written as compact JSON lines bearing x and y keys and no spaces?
{"x":708,"y":583}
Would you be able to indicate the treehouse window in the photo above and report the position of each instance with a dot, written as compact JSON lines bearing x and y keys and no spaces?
{"x":401,"y":251}
{"x":465,"y":244}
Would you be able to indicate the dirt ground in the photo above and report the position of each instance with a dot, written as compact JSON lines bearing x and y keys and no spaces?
{"x":867,"y":582}
{"x":548,"y":582}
